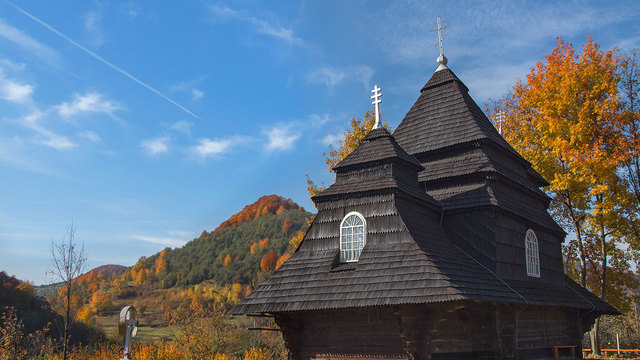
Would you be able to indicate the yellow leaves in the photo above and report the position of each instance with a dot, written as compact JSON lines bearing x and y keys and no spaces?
{"x":227,"y":260}
{"x":296,"y":240}
{"x":263,"y":244}
{"x":282,"y":259}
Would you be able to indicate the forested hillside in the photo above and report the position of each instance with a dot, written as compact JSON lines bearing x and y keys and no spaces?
{"x":240,"y":250}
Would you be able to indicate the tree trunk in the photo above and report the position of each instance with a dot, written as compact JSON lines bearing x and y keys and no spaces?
{"x":593,"y":336}
{"x":595,"y":343}
{"x":67,"y":315}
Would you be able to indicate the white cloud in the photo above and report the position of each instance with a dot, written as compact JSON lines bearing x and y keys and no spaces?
{"x":90,"y":135}
{"x":28,"y":43}
{"x":102,"y":60}
{"x":57,"y":142}
{"x":331,"y":139}
{"x":326,"y":76}
{"x":92,"y":26}
{"x":259,"y":25}
{"x":190,"y":87}
{"x":171,"y":241}
{"x":88,"y":103}
{"x":182,"y":126}
{"x":331,"y":76}
{"x":281,"y":137}
{"x":156,"y":146}
{"x":213,"y":148}
{"x":14,"y":91}
{"x":45,"y":136}
{"x":197,"y":94}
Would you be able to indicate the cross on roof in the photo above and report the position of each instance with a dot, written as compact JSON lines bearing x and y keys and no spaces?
{"x":441,"y":36}
{"x":500,"y":119}
{"x":376,"y":100}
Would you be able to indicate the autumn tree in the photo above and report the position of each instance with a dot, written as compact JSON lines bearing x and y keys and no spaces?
{"x":565,"y":120}
{"x":630,"y":88}
{"x":68,"y":262}
{"x":358,"y":129}
{"x":268,"y":262}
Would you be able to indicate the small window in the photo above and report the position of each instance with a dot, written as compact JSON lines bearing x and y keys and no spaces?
{"x":533,"y":258}
{"x":352,"y":237}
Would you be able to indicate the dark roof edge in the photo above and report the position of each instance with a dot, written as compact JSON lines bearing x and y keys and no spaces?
{"x":480,"y":175}
{"x":365,"y":193}
{"x":382,"y":161}
{"x":525,"y":219}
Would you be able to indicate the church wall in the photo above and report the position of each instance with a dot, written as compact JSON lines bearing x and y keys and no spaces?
{"x":382,"y":220}
{"x":349,"y":334}
{"x":511,"y":256}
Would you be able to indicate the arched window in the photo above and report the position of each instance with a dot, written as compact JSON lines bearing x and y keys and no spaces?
{"x":533,"y":258}
{"x":352,"y":237}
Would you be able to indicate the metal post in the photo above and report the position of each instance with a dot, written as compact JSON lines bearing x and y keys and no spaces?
{"x":618,"y":343}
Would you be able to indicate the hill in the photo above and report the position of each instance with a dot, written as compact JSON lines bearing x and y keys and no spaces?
{"x":233,"y":252}
{"x":49,"y":290}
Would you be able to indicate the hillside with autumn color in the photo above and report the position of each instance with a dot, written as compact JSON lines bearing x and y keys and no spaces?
{"x":240,"y":250}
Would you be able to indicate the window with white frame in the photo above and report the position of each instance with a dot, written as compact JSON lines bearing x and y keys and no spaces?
{"x":352,"y":237}
{"x":533,"y":257}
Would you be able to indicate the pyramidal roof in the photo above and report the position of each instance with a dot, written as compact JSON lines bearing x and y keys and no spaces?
{"x":378,"y":145}
{"x":445,"y":115}
{"x":357,"y":173}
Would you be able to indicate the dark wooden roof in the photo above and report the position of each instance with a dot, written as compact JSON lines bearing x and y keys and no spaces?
{"x":465,"y":157}
{"x":455,"y":161}
{"x":378,"y":145}
{"x":408,"y":259}
{"x":378,"y":164}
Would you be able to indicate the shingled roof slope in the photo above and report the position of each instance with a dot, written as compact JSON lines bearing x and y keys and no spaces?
{"x":445,"y":115}
{"x":424,"y":268}
{"x":377,"y":145}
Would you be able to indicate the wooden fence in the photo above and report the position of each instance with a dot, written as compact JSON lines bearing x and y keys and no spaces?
{"x":627,"y":353}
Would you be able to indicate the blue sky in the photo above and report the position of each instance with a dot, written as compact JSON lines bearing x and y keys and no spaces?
{"x":145,"y":123}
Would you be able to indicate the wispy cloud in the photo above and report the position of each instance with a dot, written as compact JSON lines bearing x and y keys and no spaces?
{"x":182,"y":126}
{"x":332,"y":76}
{"x":190,"y":87}
{"x":327,"y":76}
{"x":261,"y":26}
{"x":45,"y":136}
{"x":172,"y":241}
{"x":90,"y":135}
{"x":13,"y":90}
{"x":197,"y":94}
{"x":208,"y":148}
{"x":91,"y":102}
{"x":92,"y":26}
{"x":28,"y":43}
{"x":281,"y":137}
{"x":156,"y":146}
{"x":103,"y":60}
{"x":332,"y":139}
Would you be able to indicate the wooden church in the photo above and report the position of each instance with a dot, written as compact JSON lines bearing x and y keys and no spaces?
{"x":433,"y":243}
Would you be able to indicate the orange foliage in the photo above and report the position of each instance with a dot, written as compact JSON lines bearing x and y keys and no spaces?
{"x":282,"y":259}
{"x":286,"y":225}
{"x":268,"y":204}
{"x":268,"y":262}
{"x":263,"y":244}
{"x":247,"y":290}
{"x":85,"y":314}
{"x":236,"y":289}
{"x":252,"y":248}
{"x":227,"y":260}
{"x":100,"y":302}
